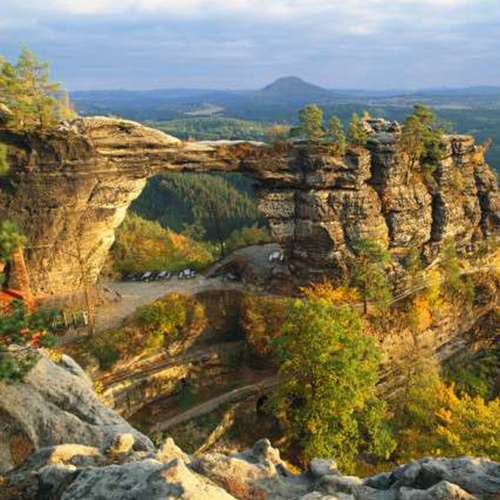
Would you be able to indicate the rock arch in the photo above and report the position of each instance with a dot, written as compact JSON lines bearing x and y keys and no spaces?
{"x":70,"y":188}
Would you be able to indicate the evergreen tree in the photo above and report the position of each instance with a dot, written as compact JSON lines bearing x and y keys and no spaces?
{"x":335,"y":133}
{"x":421,"y":138}
{"x":357,"y":135}
{"x":27,"y":91}
{"x":327,"y":403}
{"x":457,"y":286}
{"x":367,"y":272}
{"x":311,"y":123}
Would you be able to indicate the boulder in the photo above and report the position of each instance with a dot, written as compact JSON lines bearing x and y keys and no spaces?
{"x":56,"y":405}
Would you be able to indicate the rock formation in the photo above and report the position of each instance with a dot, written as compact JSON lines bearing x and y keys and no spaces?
{"x":70,"y":188}
{"x":75,"y":472}
{"x":55,"y":405}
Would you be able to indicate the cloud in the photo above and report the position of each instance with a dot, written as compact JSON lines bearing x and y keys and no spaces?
{"x":246,"y":43}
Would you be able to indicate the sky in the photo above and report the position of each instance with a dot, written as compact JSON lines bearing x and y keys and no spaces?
{"x":246,"y":44}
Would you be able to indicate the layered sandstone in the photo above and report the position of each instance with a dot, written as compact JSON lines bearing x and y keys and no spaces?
{"x":70,"y":188}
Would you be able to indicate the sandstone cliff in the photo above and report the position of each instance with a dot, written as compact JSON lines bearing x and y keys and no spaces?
{"x":70,"y":188}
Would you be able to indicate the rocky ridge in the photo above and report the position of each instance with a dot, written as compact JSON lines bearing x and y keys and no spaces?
{"x":84,"y":451}
{"x":70,"y":188}
{"x":75,"y":472}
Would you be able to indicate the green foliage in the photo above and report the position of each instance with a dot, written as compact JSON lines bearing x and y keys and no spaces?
{"x":27,"y":91}
{"x":327,"y":402}
{"x":367,"y":272}
{"x":4,"y":162}
{"x":143,"y":245}
{"x":247,"y":236}
{"x":214,"y":128}
{"x":335,"y":134}
{"x":456,"y":285}
{"x":356,"y":135}
{"x":311,"y":123}
{"x":476,"y":378}
{"x":421,"y":139}
{"x":162,"y":319}
{"x":10,"y":239}
{"x":21,"y":334}
{"x":108,"y":355}
{"x":179,"y":201}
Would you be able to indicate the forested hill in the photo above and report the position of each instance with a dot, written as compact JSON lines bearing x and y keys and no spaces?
{"x":203,"y":205}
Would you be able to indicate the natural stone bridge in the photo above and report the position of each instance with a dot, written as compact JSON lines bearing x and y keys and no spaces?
{"x":69,"y":189}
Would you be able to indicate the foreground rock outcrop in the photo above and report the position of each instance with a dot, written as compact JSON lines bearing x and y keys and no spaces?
{"x":75,"y":472}
{"x":55,"y":405}
{"x":70,"y":188}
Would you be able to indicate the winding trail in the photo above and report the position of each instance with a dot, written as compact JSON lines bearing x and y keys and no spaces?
{"x":233,"y":396}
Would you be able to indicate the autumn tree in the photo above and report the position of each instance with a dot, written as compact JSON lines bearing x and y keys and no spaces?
{"x":367,"y":272}
{"x":27,"y":91}
{"x":327,"y":402}
{"x":21,"y":331}
{"x":335,"y":134}
{"x":311,"y":123}
{"x":356,"y":135}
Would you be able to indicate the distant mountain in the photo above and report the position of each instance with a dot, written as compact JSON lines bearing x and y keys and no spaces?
{"x":279,"y":101}
{"x":291,"y":85}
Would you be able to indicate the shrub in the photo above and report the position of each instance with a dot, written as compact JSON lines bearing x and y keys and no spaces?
{"x":164,"y":318}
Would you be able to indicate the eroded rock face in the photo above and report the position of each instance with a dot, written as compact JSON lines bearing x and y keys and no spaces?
{"x":72,"y":472}
{"x":55,"y":405}
{"x":70,"y":188}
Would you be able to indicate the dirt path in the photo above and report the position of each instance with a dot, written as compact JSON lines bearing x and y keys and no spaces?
{"x":131,"y":295}
{"x":209,"y":406}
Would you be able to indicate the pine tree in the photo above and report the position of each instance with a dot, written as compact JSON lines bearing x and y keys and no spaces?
{"x":311,"y":123}
{"x":357,"y":135}
{"x":27,"y":91}
{"x":421,"y":138}
{"x":335,"y":133}
{"x":367,"y":272}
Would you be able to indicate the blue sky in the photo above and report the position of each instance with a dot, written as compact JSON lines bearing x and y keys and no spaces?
{"x":369,"y":44}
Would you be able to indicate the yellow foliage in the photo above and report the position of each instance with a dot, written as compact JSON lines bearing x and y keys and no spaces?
{"x":434,"y":287}
{"x":469,"y":426}
{"x":337,"y":296}
{"x":262,"y":320}
{"x":421,"y":313}
{"x":144,"y":245}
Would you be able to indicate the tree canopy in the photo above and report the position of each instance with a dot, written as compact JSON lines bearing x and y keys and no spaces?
{"x":327,"y":402}
{"x":27,"y":90}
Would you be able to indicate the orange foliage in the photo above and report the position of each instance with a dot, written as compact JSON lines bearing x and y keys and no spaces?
{"x":262,"y":320}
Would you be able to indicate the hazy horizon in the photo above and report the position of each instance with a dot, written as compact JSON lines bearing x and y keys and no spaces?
{"x":246,"y":44}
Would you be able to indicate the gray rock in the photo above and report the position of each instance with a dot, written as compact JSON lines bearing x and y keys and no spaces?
{"x":321,"y":467}
{"x":441,"y":491}
{"x":58,"y":406}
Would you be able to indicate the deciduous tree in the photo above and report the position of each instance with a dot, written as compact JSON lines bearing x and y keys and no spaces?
{"x":327,"y":403}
